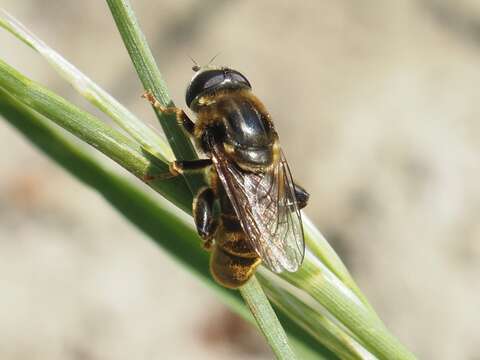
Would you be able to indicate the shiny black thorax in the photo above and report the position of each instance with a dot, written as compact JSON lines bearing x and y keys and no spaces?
{"x":236,"y":121}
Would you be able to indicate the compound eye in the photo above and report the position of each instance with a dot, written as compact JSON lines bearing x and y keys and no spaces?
{"x":213,"y":80}
{"x":239,"y":78}
{"x":203,"y":82}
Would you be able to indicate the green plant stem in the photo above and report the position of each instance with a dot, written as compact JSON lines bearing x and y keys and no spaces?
{"x":312,"y":320}
{"x":320,"y":247}
{"x":266,"y":319}
{"x":136,"y":205}
{"x":152,"y":80}
{"x":85,"y":126}
{"x":144,"y":135}
{"x":348,"y":310}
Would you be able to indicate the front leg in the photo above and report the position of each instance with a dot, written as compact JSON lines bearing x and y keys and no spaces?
{"x":203,"y":216}
{"x":182,"y":118}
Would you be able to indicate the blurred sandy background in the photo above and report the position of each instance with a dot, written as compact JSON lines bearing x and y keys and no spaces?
{"x":377,"y":107}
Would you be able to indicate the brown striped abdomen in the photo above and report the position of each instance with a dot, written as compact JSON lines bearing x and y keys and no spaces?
{"x":233,"y":260}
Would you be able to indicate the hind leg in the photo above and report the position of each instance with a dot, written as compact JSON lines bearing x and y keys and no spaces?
{"x":301,"y":195}
{"x":203,"y":216}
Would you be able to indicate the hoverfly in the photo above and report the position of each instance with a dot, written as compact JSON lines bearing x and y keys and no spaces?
{"x":259,"y":218}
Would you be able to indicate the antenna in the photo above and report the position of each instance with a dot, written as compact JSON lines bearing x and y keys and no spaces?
{"x":195,"y":66}
{"x":213,"y":58}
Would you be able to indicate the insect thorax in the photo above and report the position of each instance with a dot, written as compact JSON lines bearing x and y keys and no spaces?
{"x":238,"y":122}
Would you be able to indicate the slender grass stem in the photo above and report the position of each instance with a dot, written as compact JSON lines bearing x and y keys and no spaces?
{"x":152,"y":81}
{"x":138,"y":130}
{"x":266,"y":319}
{"x":349,"y":311}
{"x":85,"y":126}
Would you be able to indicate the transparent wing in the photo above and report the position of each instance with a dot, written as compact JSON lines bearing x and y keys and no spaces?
{"x":266,"y":206}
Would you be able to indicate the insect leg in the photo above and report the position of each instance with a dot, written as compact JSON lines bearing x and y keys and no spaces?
{"x":176,"y":168}
{"x":203,"y":216}
{"x":182,"y":119}
{"x":301,"y":195}
{"x":179,"y":167}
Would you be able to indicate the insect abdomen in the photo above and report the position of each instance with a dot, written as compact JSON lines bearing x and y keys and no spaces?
{"x":231,"y":271}
{"x":233,"y":261}
{"x":232,"y":239}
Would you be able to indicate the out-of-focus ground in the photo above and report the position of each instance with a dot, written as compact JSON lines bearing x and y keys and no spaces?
{"x":377,"y":107}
